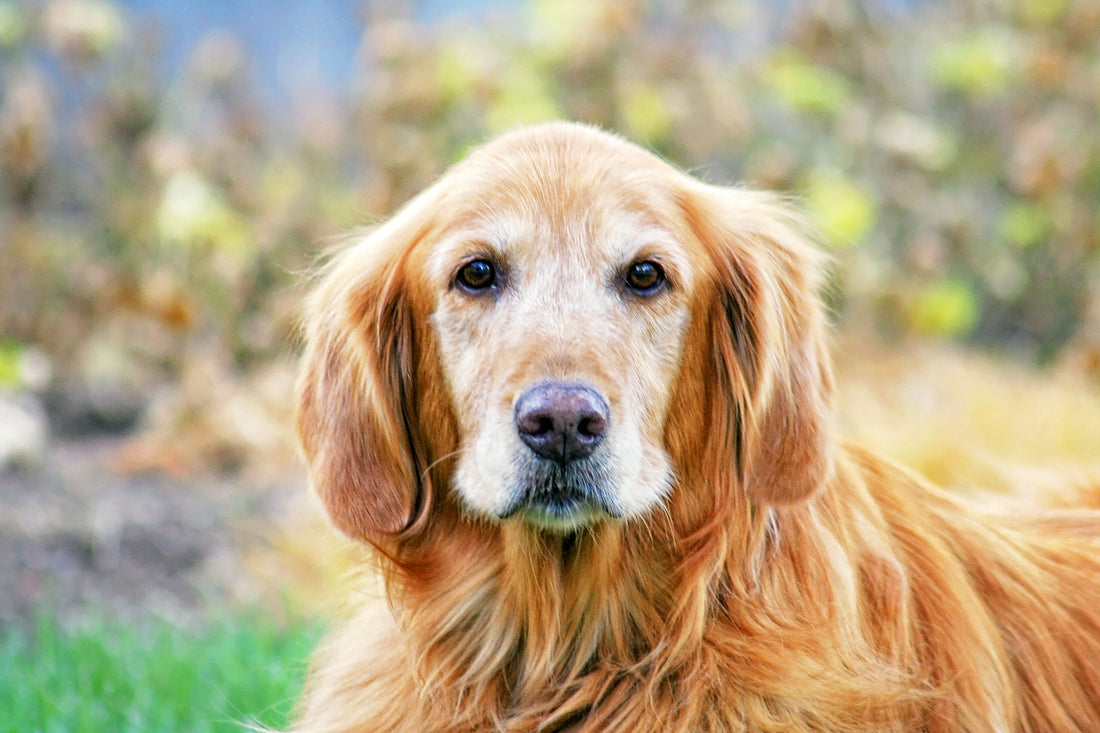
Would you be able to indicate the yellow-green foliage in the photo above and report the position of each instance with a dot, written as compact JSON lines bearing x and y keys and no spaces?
{"x":949,"y":153}
{"x":842,"y":210}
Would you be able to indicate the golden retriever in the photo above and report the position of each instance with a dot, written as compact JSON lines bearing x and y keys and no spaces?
{"x":581,"y":406}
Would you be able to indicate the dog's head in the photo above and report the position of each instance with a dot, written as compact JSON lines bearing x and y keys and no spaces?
{"x":557,"y":332}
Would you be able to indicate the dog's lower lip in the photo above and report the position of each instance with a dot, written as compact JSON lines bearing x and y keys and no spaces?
{"x":558,"y":511}
{"x":560,"y":515}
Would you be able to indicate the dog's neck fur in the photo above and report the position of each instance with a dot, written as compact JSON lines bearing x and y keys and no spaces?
{"x":844,"y":612}
{"x":547,"y":611}
{"x":617,"y":613}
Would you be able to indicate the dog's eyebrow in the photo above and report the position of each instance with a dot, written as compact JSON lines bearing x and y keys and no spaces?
{"x":495,"y":230}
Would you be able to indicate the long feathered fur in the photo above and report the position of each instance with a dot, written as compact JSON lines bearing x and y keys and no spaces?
{"x":789,"y":582}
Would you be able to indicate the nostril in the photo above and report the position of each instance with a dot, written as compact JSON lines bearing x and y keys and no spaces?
{"x":592,"y":426}
{"x":534,"y":424}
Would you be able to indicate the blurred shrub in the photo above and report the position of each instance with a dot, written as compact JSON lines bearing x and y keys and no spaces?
{"x":949,"y":152}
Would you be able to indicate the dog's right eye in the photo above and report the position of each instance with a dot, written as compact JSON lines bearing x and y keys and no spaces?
{"x":476,"y":276}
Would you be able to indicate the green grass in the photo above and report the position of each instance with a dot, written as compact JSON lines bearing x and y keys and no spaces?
{"x":153,"y":676}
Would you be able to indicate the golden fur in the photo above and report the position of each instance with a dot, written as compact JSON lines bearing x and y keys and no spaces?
{"x":742,"y":570}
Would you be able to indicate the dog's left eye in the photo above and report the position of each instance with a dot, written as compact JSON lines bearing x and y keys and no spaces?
{"x":645,"y":277}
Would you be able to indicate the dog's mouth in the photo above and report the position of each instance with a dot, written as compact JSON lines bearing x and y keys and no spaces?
{"x":561,"y":498}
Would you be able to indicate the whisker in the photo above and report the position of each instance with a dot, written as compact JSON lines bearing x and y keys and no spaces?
{"x":446,"y":456}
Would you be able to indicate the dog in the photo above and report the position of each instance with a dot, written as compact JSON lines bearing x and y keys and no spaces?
{"x":580,"y":405}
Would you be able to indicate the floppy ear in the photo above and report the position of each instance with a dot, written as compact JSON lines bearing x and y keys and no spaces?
{"x":767,"y":331}
{"x":357,"y":420}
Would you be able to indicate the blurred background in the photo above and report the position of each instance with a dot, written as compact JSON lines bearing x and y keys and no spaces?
{"x":168,"y":170}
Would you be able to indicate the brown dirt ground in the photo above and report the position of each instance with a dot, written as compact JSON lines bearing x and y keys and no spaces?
{"x":79,"y":537}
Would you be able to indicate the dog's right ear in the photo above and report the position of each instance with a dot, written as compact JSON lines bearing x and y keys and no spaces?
{"x":356,"y":387}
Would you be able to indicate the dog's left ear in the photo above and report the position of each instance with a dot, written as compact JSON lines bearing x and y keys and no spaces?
{"x":768,"y":335}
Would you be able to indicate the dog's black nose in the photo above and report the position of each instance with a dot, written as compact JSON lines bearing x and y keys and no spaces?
{"x":561,"y":422}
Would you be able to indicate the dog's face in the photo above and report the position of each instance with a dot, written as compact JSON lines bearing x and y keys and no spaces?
{"x":557,"y":332}
{"x":560,"y":321}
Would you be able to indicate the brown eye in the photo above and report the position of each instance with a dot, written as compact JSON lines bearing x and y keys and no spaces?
{"x":476,"y":276}
{"x":645,"y":277}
